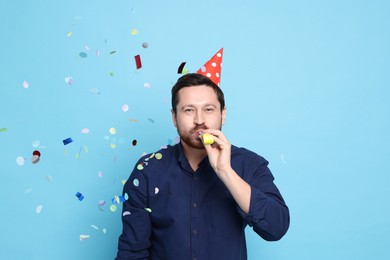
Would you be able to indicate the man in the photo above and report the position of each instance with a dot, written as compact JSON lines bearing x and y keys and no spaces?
{"x":194,"y":200}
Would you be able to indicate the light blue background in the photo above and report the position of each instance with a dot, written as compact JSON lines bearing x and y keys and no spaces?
{"x":307,"y":87}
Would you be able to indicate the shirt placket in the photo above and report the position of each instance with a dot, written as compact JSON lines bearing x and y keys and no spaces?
{"x":195,"y":250}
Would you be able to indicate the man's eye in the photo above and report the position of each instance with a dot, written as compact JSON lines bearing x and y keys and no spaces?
{"x":210,"y":109}
{"x":188,"y":110}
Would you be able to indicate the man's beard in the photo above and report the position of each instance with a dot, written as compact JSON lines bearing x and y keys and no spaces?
{"x":191,"y":137}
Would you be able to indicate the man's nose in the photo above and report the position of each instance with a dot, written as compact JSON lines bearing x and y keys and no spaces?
{"x":199,"y":119}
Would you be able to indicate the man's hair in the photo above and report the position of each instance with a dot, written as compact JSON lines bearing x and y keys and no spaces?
{"x":193,"y":80}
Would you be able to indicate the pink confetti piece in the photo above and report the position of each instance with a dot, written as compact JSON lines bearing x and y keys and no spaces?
{"x":100,"y":174}
{"x":26,"y":84}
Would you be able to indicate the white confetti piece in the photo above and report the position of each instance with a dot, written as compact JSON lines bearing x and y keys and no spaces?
{"x":69,"y":80}
{"x":94,"y":227}
{"x":27,"y":191}
{"x":85,"y":130}
{"x":26,"y":84}
{"x":104,"y":230}
{"x":36,"y":143}
{"x":156,"y":190}
{"x":20,"y":160}
{"x":147,"y":85}
{"x":136,"y":182}
{"x":126,"y":213}
{"x":84,"y":237}
{"x":38,"y":209}
{"x":125,"y":108}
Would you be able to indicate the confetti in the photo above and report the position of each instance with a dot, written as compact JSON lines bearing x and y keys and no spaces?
{"x":123,"y":182}
{"x":125,"y":108}
{"x":79,"y":196}
{"x":133,"y":120}
{"x":112,"y":131}
{"x":83,"y":55}
{"x":181,"y":67}
{"x":86,"y":47}
{"x":147,"y":85}
{"x":151,"y":120}
{"x":140,"y":167}
{"x":36,"y":143}
{"x":100,"y":174}
{"x":156,"y":190}
{"x":148,"y":210}
{"x":35,"y":159}
{"x":126,"y":196}
{"x":85,"y":130}
{"x":113,"y":208}
{"x":38,"y":209}
{"x":134,"y":143}
{"x":26,"y":84}
{"x":67,"y":141}
{"x":282,"y":159}
{"x":101,"y":203}
{"x":138,"y":61}
{"x":69,"y":80}
{"x":3,"y":130}
{"x":98,"y":53}
{"x":145,"y":45}
{"x":94,"y":91}
{"x":111,"y":73}
{"x":84,"y":237}
{"x":94,"y":227}
{"x":20,"y":160}
{"x":112,"y":52}
{"x":36,"y":152}
{"x":69,"y":34}
{"x":134,"y":32}
{"x":136,"y":182}
{"x":49,"y":178}
{"x":158,"y":156}
{"x":126,"y":213}
{"x":104,"y":230}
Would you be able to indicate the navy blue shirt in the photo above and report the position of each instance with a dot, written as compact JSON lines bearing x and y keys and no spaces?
{"x":172,"y":212}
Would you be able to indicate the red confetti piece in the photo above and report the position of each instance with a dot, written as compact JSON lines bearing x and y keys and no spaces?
{"x":181,"y":67}
{"x":138,"y":61}
{"x":36,"y":152}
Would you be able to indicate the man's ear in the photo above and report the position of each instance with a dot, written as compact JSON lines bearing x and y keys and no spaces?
{"x":174,"y":118}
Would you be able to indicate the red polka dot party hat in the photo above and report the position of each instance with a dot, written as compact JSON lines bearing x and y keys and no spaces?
{"x":212,"y":68}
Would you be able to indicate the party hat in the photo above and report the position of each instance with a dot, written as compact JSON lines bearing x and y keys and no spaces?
{"x":212,"y":68}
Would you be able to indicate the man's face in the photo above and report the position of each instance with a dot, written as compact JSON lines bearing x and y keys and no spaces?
{"x":198,"y":109}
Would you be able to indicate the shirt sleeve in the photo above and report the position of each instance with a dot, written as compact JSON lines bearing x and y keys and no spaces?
{"x":134,"y":242}
{"x":268,"y":213}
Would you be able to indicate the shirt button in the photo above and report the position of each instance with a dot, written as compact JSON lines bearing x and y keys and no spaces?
{"x":195,"y":178}
{"x":195,"y":205}
{"x":194,"y":231}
